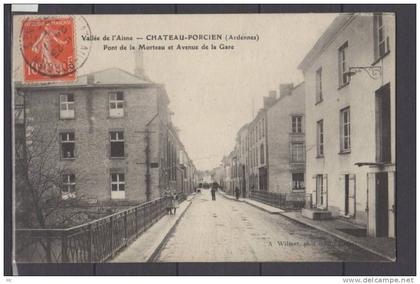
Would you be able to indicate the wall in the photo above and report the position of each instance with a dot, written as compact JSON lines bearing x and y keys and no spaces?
{"x":91,"y":125}
{"x":359,"y":95}
{"x":279,"y":127}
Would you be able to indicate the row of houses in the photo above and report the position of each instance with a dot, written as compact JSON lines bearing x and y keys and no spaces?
{"x":330,"y":140}
{"x":110,"y":131}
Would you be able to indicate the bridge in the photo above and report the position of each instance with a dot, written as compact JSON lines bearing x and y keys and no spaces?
{"x":202,"y":231}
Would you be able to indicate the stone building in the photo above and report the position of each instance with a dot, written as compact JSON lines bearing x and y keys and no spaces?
{"x":110,"y":130}
{"x":286,"y":142}
{"x":350,"y":121}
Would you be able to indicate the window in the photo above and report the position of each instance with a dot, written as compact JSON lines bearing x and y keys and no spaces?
{"x":318,"y":85}
{"x":343,"y":64}
{"x":320,"y":138}
{"x":117,"y":186}
{"x":256,"y":133}
{"x":19,"y":109}
{"x":298,"y":181}
{"x":117,"y":144}
{"x":66,"y":106}
{"x":69,"y":186}
{"x":297,"y":124}
{"x":262,"y":154}
{"x":116,"y":104}
{"x":345,"y":130}
{"x":255,"y":156}
{"x":298,"y":152}
{"x":67,"y":145}
{"x":263,"y":127}
{"x":380,"y":36}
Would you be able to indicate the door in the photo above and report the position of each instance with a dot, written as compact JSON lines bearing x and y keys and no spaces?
{"x":383,"y":124}
{"x":382,"y":204}
{"x":321,"y":191}
{"x":349,"y":195}
{"x":346,"y":195}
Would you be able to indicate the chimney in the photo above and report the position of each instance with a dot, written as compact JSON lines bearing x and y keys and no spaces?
{"x":138,"y":64}
{"x":90,"y":79}
{"x":285,"y":90}
{"x":271,"y":99}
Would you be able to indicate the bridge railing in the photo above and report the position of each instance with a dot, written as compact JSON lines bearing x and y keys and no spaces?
{"x":286,"y":201}
{"x":95,"y":241}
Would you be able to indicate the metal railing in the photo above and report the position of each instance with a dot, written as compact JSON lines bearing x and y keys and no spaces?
{"x":279,"y":200}
{"x":95,"y":241}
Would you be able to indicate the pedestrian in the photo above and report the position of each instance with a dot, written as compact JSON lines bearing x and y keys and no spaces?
{"x":168,"y":200}
{"x":213,"y":191}
{"x":174,"y":200}
{"x":237,"y":193}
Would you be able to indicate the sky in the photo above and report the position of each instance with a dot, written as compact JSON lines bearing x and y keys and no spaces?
{"x":212,"y":92}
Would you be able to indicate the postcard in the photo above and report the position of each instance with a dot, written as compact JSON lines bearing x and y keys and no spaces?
{"x":204,"y":138}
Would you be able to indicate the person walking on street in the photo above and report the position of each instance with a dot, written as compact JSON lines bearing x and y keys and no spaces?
{"x":168,"y":200}
{"x":237,"y":193}
{"x":213,"y":191}
{"x":174,"y":200}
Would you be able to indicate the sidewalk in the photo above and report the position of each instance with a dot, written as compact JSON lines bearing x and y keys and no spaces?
{"x":144,"y":248}
{"x":384,"y":247}
{"x":259,"y":205}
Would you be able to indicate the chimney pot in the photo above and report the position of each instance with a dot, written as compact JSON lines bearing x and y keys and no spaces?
{"x":138,"y":64}
{"x":285,"y":90}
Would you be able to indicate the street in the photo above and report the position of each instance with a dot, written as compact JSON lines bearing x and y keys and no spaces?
{"x":228,"y":230}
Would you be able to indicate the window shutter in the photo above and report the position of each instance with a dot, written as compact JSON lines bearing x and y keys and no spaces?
{"x":352,"y":194}
{"x":325,"y":191}
{"x":375,"y":38}
{"x":314,"y":187}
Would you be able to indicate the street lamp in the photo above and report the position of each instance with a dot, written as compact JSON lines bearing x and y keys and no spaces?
{"x":374,"y":72}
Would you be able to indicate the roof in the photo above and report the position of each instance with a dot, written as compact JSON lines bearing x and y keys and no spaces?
{"x":106,"y":77}
{"x":325,"y":39}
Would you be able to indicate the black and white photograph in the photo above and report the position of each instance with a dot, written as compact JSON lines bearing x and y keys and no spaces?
{"x":203,"y":138}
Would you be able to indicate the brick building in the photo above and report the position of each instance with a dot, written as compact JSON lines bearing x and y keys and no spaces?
{"x":111,"y":132}
{"x":350,"y":121}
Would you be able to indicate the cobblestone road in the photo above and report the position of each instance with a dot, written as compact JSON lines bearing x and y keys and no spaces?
{"x":227,"y":230}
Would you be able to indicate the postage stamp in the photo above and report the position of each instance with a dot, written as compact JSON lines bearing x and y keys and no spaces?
{"x":48,"y":49}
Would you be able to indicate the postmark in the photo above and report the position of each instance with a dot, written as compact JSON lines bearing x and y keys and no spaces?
{"x":52,"y":48}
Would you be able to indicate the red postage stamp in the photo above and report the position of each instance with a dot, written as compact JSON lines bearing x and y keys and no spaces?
{"x":48,"y":49}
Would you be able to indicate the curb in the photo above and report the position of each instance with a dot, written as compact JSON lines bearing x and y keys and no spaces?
{"x":339,"y":237}
{"x":263,"y":209}
{"x":253,"y":205}
{"x":156,"y":252}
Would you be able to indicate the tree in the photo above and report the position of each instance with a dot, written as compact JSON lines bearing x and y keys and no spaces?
{"x":40,"y":201}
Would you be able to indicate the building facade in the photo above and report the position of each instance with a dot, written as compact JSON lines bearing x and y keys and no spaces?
{"x":111,"y":133}
{"x":286,"y":142}
{"x":350,"y":121}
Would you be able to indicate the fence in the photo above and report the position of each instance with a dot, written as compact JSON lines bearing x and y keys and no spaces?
{"x":95,"y":241}
{"x":279,"y":200}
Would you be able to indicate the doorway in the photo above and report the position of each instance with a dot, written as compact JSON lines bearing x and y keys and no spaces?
{"x":320,"y":199}
{"x":346,"y":195}
{"x":381,"y":192}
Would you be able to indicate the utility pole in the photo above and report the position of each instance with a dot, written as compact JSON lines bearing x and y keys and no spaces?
{"x":147,"y":176}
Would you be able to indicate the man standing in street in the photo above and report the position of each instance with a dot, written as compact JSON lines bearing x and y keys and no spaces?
{"x":237,"y":193}
{"x":213,"y":191}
